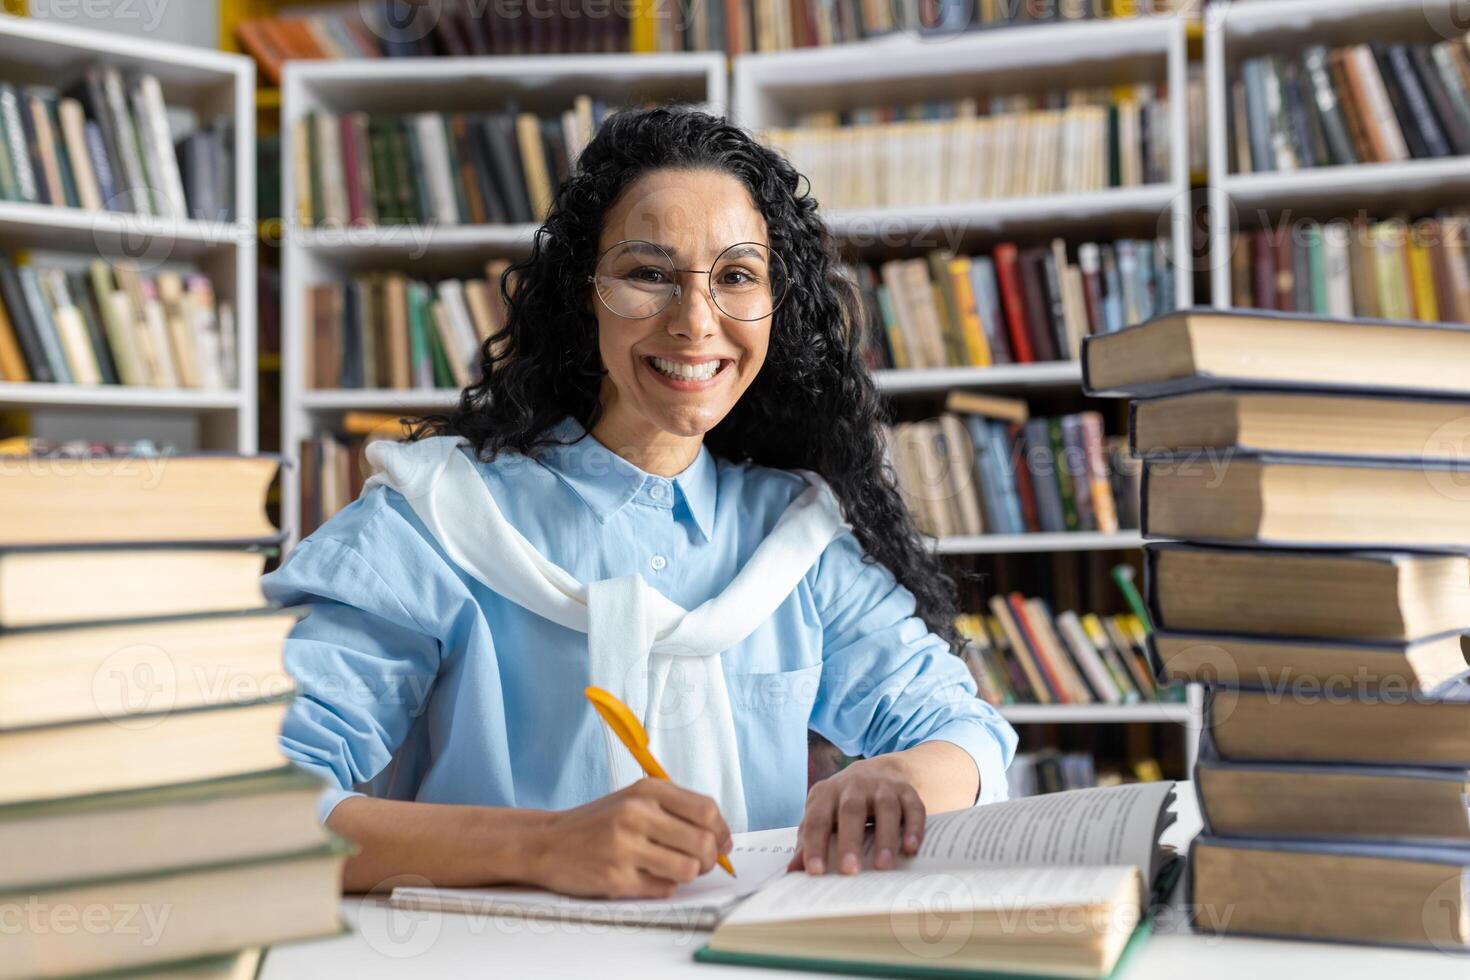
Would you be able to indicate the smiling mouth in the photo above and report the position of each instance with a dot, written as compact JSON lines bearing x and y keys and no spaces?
{"x":679,"y":371}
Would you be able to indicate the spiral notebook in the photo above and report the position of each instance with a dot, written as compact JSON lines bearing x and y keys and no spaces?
{"x":758,"y":857}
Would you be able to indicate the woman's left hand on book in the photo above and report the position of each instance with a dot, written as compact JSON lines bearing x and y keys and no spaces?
{"x":838,"y":811}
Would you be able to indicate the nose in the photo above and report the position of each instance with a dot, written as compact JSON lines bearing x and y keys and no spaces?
{"x":692,"y":313}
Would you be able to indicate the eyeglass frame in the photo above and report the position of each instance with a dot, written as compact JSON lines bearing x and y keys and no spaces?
{"x":679,"y":287}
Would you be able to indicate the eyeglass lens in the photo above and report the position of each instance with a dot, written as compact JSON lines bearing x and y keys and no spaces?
{"x":636,"y":279}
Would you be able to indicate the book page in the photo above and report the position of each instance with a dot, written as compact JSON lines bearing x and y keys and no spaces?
{"x":916,"y":891}
{"x":757,"y":857}
{"x":1114,"y":825}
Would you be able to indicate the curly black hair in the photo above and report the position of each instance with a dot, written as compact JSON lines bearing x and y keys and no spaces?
{"x":813,"y":405}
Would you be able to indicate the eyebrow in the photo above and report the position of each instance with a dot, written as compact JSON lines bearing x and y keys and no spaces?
{"x":640,"y":248}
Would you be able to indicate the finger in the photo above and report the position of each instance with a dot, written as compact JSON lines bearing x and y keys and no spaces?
{"x":816,"y":829}
{"x":680,"y":835}
{"x":696,"y":808}
{"x":852,"y":824}
{"x":887,"y":821}
{"x":914,"y":818}
{"x":665,"y":862}
{"x":651,"y":886}
{"x":798,"y":862}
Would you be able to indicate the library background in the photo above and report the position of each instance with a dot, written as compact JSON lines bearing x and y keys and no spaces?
{"x":324,"y":197}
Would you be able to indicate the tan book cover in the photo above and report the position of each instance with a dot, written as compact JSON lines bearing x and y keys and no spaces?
{"x":533,"y":163}
{"x":395,"y":310}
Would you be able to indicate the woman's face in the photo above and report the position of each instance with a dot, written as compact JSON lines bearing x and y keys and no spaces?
{"x":694,"y":215}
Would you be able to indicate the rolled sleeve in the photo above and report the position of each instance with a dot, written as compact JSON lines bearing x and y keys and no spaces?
{"x":888,"y":682}
{"x":362,"y":664}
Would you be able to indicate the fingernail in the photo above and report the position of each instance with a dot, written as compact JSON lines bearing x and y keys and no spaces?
{"x":727,"y":845}
{"x":850,"y":864}
{"x":885,"y":858}
{"x":815,"y":866}
{"x":911,"y":842}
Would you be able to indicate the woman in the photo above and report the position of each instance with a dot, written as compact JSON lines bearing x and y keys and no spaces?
{"x":675,"y":418}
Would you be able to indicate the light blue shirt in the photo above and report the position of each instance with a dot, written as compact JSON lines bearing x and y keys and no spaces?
{"x":419,"y":683}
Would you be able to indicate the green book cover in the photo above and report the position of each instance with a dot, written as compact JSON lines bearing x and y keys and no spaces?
{"x":1316,"y":267}
{"x":385,"y":182}
{"x":423,"y":209}
{"x":443,"y":374}
{"x":408,"y":204}
{"x":1115,"y":148}
{"x":421,"y":366}
{"x":1063,"y":474}
{"x":63,"y":162}
{"x":314,"y":153}
{"x":461,"y":205}
{"x":924,"y":970}
{"x":9,"y":189}
{"x":286,"y":777}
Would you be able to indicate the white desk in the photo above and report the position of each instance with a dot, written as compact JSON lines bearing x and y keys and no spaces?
{"x":394,"y":944}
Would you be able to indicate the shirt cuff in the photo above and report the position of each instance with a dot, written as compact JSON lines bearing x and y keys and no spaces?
{"x":329,"y":798}
{"x":991,"y":744}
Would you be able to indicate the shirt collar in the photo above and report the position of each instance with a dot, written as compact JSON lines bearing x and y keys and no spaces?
{"x":606,"y":482}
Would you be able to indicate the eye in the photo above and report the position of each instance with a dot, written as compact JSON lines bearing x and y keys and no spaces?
{"x":738,"y":277}
{"x":647,"y":274}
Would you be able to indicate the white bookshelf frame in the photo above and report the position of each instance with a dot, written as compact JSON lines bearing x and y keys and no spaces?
{"x":418,"y":84}
{"x":1237,"y":30}
{"x":771,"y":87}
{"x":47,"y":53}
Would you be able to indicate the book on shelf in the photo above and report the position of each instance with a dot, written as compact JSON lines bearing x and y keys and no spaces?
{"x":467,"y":28}
{"x":334,"y":464}
{"x":388,"y":330}
{"x":361,"y":169}
{"x":1393,"y":269}
{"x":1020,"y":653}
{"x":106,"y":142}
{"x":956,"y":151}
{"x":1377,"y":102}
{"x":1091,"y":856}
{"x":109,"y":324}
{"x":1201,"y":348}
{"x":140,"y":713}
{"x":1012,"y":306}
{"x":967,"y":474}
{"x":1050,"y":770}
{"x":1330,"y":638}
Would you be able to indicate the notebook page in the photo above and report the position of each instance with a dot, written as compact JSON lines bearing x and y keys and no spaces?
{"x":1115,"y":825}
{"x":757,"y":857}
{"x":801,"y":896}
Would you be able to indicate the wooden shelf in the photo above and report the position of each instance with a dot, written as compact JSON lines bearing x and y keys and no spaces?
{"x":1044,"y":375}
{"x":48,"y":226}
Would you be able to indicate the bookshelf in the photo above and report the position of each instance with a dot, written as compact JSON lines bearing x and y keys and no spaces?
{"x":771,"y":90}
{"x":317,"y":255}
{"x":1237,"y":31}
{"x":213,"y":85}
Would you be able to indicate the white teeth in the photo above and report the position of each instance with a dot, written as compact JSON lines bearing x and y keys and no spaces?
{"x":686,"y":372}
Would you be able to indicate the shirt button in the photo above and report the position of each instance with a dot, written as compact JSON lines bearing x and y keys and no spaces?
{"x":658,"y":562}
{"x":656,"y":491}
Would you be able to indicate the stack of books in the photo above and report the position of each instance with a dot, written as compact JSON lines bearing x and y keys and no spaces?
{"x":986,"y":467}
{"x":1365,"y":103}
{"x":1012,"y":306}
{"x":107,"y":144}
{"x":1022,"y":654}
{"x":1310,"y":473}
{"x":142,"y":691}
{"x":385,"y":330}
{"x":111,"y":324}
{"x":1393,"y":269}
{"x":970,"y":149}
{"x":458,"y":168}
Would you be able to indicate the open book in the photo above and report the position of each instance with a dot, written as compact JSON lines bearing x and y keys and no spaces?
{"x":1049,"y":885}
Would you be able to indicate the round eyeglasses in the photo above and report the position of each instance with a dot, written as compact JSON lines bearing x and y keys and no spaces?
{"x":636,"y":279}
